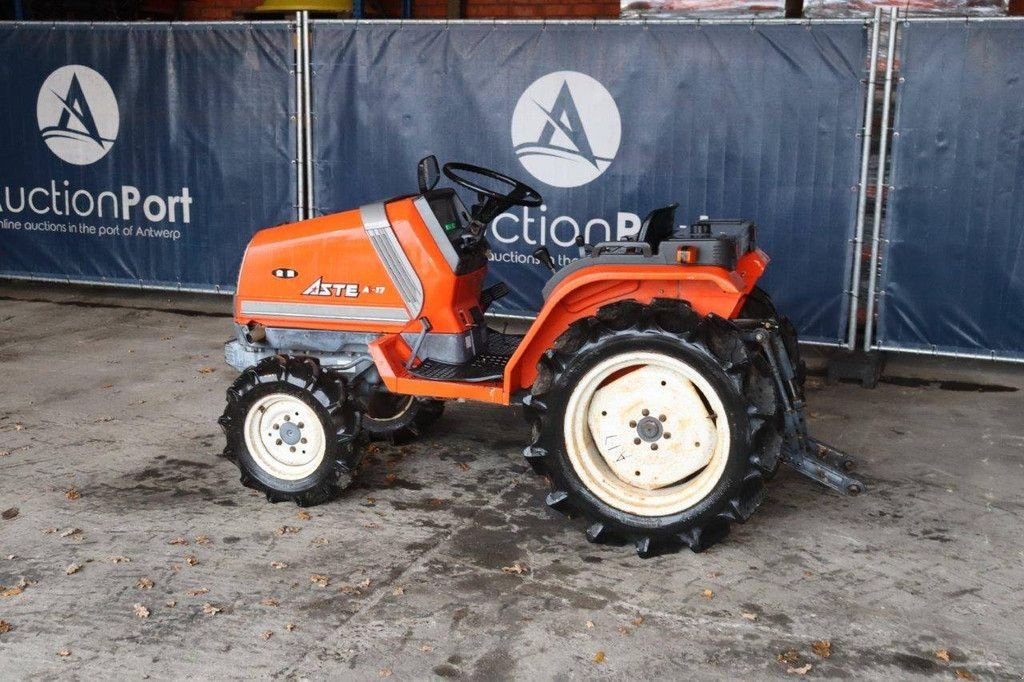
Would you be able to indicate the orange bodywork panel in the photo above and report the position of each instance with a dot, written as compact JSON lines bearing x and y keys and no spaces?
{"x":340,"y":283}
{"x":708,"y":289}
{"x":334,"y":251}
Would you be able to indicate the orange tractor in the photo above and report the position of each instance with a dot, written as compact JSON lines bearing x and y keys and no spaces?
{"x":663,"y":388}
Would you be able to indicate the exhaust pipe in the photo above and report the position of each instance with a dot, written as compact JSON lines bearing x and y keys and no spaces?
{"x":254,"y":333}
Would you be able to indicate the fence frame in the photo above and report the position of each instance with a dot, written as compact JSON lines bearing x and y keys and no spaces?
{"x":880,"y":239}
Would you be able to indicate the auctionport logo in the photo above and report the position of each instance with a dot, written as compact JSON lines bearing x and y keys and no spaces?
{"x":566,"y":129}
{"x":77,"y":114}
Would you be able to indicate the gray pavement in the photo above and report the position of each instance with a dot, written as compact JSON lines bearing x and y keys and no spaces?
{"x":443,"y":562}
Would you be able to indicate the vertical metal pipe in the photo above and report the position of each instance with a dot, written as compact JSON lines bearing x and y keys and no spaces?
{"x":357,"y":9}
{"x":307,"y":113}
{"x":862,"y":193}
{"x":865,"y":157}
{"x":300,"y":170}
{"x":883,"y":142}
{"x":407,"y":9}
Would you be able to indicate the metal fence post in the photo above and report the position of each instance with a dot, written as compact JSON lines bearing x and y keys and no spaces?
{"x":883,"y":142}
{"x":308,"y":115}
{"x":862,"y":193}
{"x":300,"y":170}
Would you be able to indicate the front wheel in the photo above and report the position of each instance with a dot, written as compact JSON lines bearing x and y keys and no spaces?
{"x":290,"y":430}
{"x":399,"y":418}
{"x":656,"y":425}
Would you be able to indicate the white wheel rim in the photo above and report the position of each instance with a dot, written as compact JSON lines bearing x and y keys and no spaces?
{"x":285,"y":437}
{"x":605,"y":417}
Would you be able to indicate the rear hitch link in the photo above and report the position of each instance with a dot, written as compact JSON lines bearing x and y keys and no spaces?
{"x":812,"y":458}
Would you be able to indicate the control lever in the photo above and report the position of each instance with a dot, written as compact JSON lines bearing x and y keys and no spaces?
{"x":544,"y":257}
{"x":585,"y":249}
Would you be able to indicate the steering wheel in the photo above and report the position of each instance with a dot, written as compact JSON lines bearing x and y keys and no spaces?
{"x":521,"y":194}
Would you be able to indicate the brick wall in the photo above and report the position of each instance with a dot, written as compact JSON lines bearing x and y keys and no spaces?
{"x":206,"y":10}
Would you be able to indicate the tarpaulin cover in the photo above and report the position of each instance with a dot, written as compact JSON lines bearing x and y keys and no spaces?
{"x":144,"y":154}
{"x":952,"y":276}
{"x":608,"y":122}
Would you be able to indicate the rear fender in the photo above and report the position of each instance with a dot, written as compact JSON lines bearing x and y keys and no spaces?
{"x":708,"y":289}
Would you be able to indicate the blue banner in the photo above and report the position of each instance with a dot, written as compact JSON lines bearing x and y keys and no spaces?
{"x":143,"y":153}
{"x":952,"y":276}
{"x":608,"y":122}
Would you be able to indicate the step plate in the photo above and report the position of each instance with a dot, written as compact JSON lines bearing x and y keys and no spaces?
{"x":487,"y":366}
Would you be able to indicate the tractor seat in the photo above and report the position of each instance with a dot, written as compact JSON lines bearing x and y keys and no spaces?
{"x":658,"y":226}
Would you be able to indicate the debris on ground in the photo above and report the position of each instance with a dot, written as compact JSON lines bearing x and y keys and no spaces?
{"x":74,"y":533}
{"x":141,"y":611}
{"x":320,"y":542}
{"x":321,"y":580}
{"x":200,"y":591}
{"x":426,"y":648}
{"x":269,"y":601}
{"x":398,"y":591}
{"x":4,"y":627}
{"x":384,"y":672}
{"x":170,"y":603}
{"x":639,"y":620}
{"x":72,"y":569}
{"x":267,"y":635}
{"x":516,"y":568}
{"x":63,"y":653}
{"x":822,"y":647}
{"x":178,"y":541}
{"x":748,"y":615}
{"x":290,"y":627}
{"x":211,"y":610}
{"x":287,"y":530}
{"x":303,"y":515}
{"x":17,"y":589}
{"x":278,"y":565}
{"x":120,"y":559}
{"x":206,"y":370}
{"x":72,"y":494}
{"x":9,"y":514}
{"x":964,"y":674}
{"x":942,"y":655}
{"x":145,"y":584}
{"x":802,"y":670}
{"x":599,"y":657}
{"x":707,"y":594}
{"x":788,"y":656}
{"x":202,"y":540}
{"x":191,"y":560}
{"x":590,"y":625}
{"x":5,"y":453}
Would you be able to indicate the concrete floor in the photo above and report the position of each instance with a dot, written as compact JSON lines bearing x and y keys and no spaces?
{"x":104,"y":393}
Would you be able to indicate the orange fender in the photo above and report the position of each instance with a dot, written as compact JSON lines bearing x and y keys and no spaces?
{"x":708,"y":289}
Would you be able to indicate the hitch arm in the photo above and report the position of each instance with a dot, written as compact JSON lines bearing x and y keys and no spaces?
{"x":812,"y":458}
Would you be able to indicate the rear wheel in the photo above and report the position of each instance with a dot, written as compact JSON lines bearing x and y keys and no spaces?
{"x":290,"y":430}
{"x":656,"y":425}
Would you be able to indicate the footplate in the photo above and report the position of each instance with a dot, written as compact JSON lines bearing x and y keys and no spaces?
{"x":809,"y":456}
